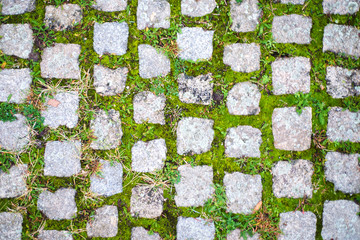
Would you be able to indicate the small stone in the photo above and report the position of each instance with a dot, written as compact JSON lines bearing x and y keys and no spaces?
{"x":243,"y":141}
{"x":146,"y":202}
{"x":153,"y":14}
{"x":198,"y":90}
{"x":61,"y":61}
{"x":195,"y":228}
{"x":148,"y":156}
{"x":197,"y":8}
{"x":292,"y":29}
{"x":236,"y":235}
{"x":13,"y":183}
{"x":63,"y":17}
{"x":15,"y":83}
{"x":194,"y":135}
{"x":152,"y":62}
{"x":342,"y":82}
{"x":16,"y":7}
{"x":58,"y":205}
{"x":110,"y":5}
{"x":15,"y":135}
{"x":292,"y":131}
{"x":109,"y":82}
{"x":16,"y":39}
{"x":244,"y":99}
{"x":341,"y":7}
{"x":104,"y":223}
{"x":10,"y":226}
{"x":299,"y":2}
{"x":195,"y":186}
{"x":297,"y":225}
{"x":149,"y":108}
{"x":245,"y":15}
{"x":140,"y":233}
{"x":195,"y":44}
{"x":55,"y":235}
{"x":343,"y":125}
{"x":242,"y":57}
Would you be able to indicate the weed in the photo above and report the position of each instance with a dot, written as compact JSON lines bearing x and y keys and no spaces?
{"x":7,"y":112}
{"x":351,"y":104}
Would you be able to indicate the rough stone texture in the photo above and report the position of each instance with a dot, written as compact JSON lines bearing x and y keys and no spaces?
{"x":292,"y":131}
{"x":15,"y":135}
{"x":243,"y":141}
{"x":197,"y":8}
{"x":292,"y":179}
{"x":243,"y":192}
{"x":107,"y":181}
{"x":195,"y":186}
{"x":107,"y":130}
{"x":291,"y":75}
{"x":110,"y":5}
{"x":242,"y":57}
{"x":61,"y":61}
{"x":16,"y":39}
{"x":153,"y":14}
{"x":13,"y":183}
{"x":341,"y":7}
{"x":342,"y":82}
{"x":198,"y":90}
{"x":104,"y":223}
{"x":140,"y":233}
{"x":55,"y":235}
{"x":300,"y":2}
{"x":195,"y":44}
{"x":245,"y":15}
{"x":10,"y":226}
{"x":149,"y":108}
{"x":344,"y":171}
{"x":292,"y":29}
{"x":236,"y":235}
{"x":194,"y":135}
{"x":148,"y":156}
{"x":146,"y":202}
{"x":15,"y":82}
{"x":109,"y":82}
{"x":342,"y":39}
{"x":195,"y":228}
{"x":343,"y":125}
{"x":16,"y":7}
{"x":63,"y":17}
{"x":152,"y":62}
{"x":341,"y":220}
{"x":297,"y":226}
{"x":65,"y":113}
{"x":244,"y":99}
{"x":58,"y":205}
{"x":111,"y":38}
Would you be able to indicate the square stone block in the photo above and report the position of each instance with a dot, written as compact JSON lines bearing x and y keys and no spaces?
{"x":242,"y":57}
{"x":149,"y":108}
{"x":243,"y":141}
{"x":343,"y":125}
{"x":342,"y":82}
{"x":111,"y":38}
{"x":153,"y":14}
{"x":152,"y":62}
{"x":197,"y":8}
{"x":15,"y":135}
{"x":109,"y":82}
{"x":140,"y":233}
{"x":55,"y":235}
{"x":63,"y":17}
{"x":10,"y":226}
{"x":198,"y":90}
{"x":245,"y":15}
{"x":16,"y":39}
{"x":13,"y":183}
{"x":110,"y":5}
{"x":104,"y":223}
{"x":244,"y":99}
{"x":15,"y":83}
{"x":195,"y":228}
{"x":148,"y":156}
{"x":146,"y":202}
{"x":341,"y":7}
{"x":297,"y":225}
{"x":16,"y":7}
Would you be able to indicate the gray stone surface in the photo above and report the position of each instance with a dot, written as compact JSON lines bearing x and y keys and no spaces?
{"x":140,"y":233}
{"x":297,"y":226}
{"x":292,"y":131}
{"x":10,"y":226}
{"x":58,"y":205}
{"x":197,"y":8}
{"x":111,"y":38}
{"x":341,"y":7}
{"x":148,"y":156}
{"x":15,"y":135}
{"x":106,"y":129}
{"x":146,"y":202}
{"x":16,"y":39}
{"x":342,"y":82}
{"x":54,"y":235}
{"x":341,"y":220}
{"x":110,"y":5}
{"x":153,"y":14}
{"x":13,"y":183}
{"x":244,"y":99}
{"x":292,"y":29}
{"x":243,"y":141}
{"x":236,"y":235}
{"x":343,"y":171}
{"x":300,"y":2}
{"x":15,"y":83}
{"x":194,"y":135}
{"x":243,"y":192}
{"x":195,"y":228}
{"x":63,"y":17}
{"x":343,"y":125}
{"x":198,"y":90}
{"x":104,"y":223}
{"x":342,"y":39}
{"x":195,"y":186}
{"x":61,"y":61}
{"x":109,"y":82}
{"x":195,"y":44}
{"x":242,"y":57}
{"x":152,"y":62}
{"x":291,"y":75}
{"x":149,"y":108}
{"x":16,"y":7}
{"x":65,"y":114}
{"x":245,"y":15}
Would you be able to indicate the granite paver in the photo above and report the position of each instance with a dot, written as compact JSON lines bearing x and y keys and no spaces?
{"x":153,"y":14}
{"x":195,"y":228}
{"x":15,"y":135}
{"x":197,"y":8}
{"x":341,"y":7}
{"x":148,"y":156}
{"x":109,"y":82}
{"x":15,"y":84}
{"x":342,"y":82}
{"x":198,"y":90}
{"x":292,"y":29}
{"x":297,"y":225}
{"x":343,"y":125}
{"x":244,"y":99}
{"x":10,"y":226}
{"x":16,"y":40}
{"x":63,"y":17}
{"x":149,"y":108}
{"x":13,"y":182}
{"x":242,"y":57}
{"x":16,"y":7}
{"x":104,"y":223}
{"x":243,"y":141}
{"x":152,"y":62}
{"x":245,"y":15}
{"x":146,"y":201}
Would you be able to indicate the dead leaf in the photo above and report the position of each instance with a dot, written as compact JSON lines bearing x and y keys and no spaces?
{"x":53,"y":102}
{"x":257,"y":207}
{"x":3,"y":65}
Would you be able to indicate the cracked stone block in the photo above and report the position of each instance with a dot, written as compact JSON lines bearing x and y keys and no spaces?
{"x":148,"y":156}
{"x":146,"y":202}
{"x":292,"y":131}
{"x":153,"y":14}
{"x":109,"y":82}
{"x":245,"y":15}
{"x":104,"y":223}
{"x":341,"y":220}
{"x":16,"y":39}
{"x":341,"y":7}
{"x":343,"y":125}
{"x":242,"y":57}
{"x":342,"y":39}
{"x":195,"y":228}
{"x":244,"y":99}
{"x":195,"y":186}
{"x":243,"y":192}
{"x":299,"y":2}
{"x":342,"y":82}
{"x":13,"y":183}
{"x":63,"y":114}
{"x":292,"y":179}
{"x":61,"y":61}
{"x":236,"y":235}
{"x":291,"y":75}
{"x":15,"y":135}
{"x":10,"y":226}
{"x":243,"y":141}
{"x":343,"y":171}
{"x":58,"y":205}
{"x":110,"y":5}
{"x":197,"y":8}
{"x":140,"y":233}
{"x":198,"y":90}
{"x":111,"y":38}
{"x":55,"y":235}
{"x":16,"y":7}
{"x":152,"y":62}
{"x":195,"y":44}
{"x":63,"y":17}
{"x":297,"y":225}
{"x":16,"y":84}
{"x":194,"y":135}
{"x":292,"y":29}
{"x":106,"y":129}
{"x":149,"y":108}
